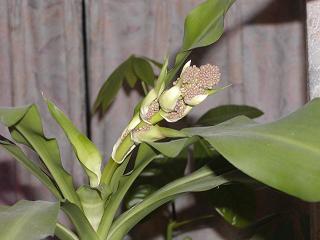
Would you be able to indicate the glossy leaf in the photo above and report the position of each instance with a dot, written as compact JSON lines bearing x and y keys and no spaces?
{"x":85,"y":150}
{"x":204,"y":24}
{"x":144,"y":70}
{"x":36,"y":171}
{"x":28,"y":220}
{"x":26,"y":127}
{"x":138,"y":194}
{"x":201,"y":180}
{"x":284,"y":154}
{"x":223,"y":113}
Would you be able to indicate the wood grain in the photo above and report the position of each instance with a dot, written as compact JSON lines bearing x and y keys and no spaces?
{"x":41,"y":51}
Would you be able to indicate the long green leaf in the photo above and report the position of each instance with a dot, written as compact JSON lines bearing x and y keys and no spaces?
{"x":28,"y":130}
{"x":80,"y":222}
{"x":143,"y":70}
{"x":87,"y":153}
{"x":201,"y":180}
{"x":204,"y":24}
{"x":144,"y":157}
{"x":223,"y":113}
{"x":64,"y":233}
{"x":110,"y":88}
{"x":19,"y":155}
{"x":284,"y":154}
{"x":28,"y":220}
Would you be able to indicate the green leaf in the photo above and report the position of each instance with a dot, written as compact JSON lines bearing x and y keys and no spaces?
{"x":28,"y":130}
{"x":235,"y":203}
{"x":138,"y":194}
{"x":92,"y":204}
{"x":85,"y":150}
{"x":19,"y":155}
{"x":201,"y":180}
{"x":28,"y":220}
{"x":284,"y":154}
{"x":63,"y":233}
{"x":144,"y":70}
{"x":130,"y":75}
{"x":204,"y":24}
{"x":110,"y":88}
{"x":145,"y":155}
{"x":223,"y":113}
{"x":79,"y":220}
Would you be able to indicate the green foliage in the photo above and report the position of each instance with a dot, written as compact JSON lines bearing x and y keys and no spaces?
{"x":277,"y":154}
{"x":25,"y":127}
{"x":28,"y":220}
{"x":87,"y":153}
{"x":223,"y":113}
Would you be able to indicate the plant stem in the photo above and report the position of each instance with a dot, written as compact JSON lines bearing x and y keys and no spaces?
{"x":173,"y":224}
{"x":64,"y":233}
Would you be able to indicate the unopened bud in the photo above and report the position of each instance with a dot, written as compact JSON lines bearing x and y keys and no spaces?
{"x":169,"y":98}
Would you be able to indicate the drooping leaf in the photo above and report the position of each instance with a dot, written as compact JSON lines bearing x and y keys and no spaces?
{"x":284,"y":154}
{"x":93,"y":205}
{"x":204,"y":24}
{"x":85,"y":150}
{"x":28,"y":220}
{"x":223,"y":113}
{"x":201,"y":180}
{"x":130,"y":75}
{"x":144,"y":71}
{"x":28,"y":130}
{"x":79,"y":220}
{"x":19,"y":155}
{"x":110,"y":88}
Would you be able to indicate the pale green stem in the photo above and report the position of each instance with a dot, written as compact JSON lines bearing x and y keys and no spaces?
{"x":64,"y":233}
{"x":174,"y":225}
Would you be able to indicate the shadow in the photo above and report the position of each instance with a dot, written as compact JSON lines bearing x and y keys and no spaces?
{"x":11,"y":190}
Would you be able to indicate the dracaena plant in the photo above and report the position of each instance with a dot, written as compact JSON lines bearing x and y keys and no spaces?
{"x":233,"y":154}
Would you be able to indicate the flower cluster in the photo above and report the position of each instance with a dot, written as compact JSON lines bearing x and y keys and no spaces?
{"x":190,"y":89}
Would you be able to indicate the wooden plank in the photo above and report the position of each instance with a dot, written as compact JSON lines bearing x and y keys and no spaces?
{"x":41,"y":51}
{"x":313,"y":55}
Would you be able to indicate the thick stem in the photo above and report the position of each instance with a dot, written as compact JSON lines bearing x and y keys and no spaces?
{"x":64,"y":233}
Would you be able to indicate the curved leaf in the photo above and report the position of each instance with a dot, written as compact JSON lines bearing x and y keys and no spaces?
{"x":79,"y":220}
{"x":92,"y":204}
{"x":144,"y":70}
{"x":19,"y":155}
{"x":204,"y":24}
{"x":28,"y":220}
{"x":201,"y":180}
{"x":110,"y":88}
{"x":284,"y":154}
{"x":87,"y":153}
{"x":28,"y":130}
{"x":223,"y":113}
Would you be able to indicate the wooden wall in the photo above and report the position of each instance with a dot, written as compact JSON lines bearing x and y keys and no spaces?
{"x":65,"y":49}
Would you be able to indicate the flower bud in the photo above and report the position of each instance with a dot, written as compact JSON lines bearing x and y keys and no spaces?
{"x":124,"y":145}
{"x":149,"y":106}
{"x":146,"y":133}
{"x":169,"y":98}
{"x":180,"y":110}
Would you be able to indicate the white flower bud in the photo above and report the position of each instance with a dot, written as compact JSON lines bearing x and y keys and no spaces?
{"x":149,"y":106}
{"x":146,"y":133}
{"x":180,"y":110}
{"x":169,"y":98}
